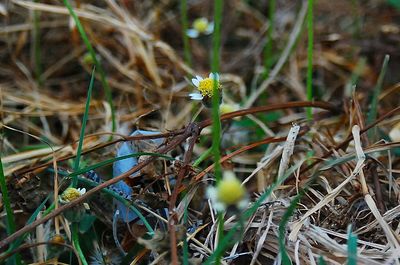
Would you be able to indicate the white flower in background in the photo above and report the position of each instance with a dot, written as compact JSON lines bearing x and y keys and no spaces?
{"x":205,"y":86}
{"x":394,"y":133}
{"x":200,"y":26}
{"x":228,"y":192}
{"x":226,"y":108}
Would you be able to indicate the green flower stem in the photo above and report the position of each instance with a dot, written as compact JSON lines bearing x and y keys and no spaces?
{"x":75,"y":240}
{"x":216,"y":125}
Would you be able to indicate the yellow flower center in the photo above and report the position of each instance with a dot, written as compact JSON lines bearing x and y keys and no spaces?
{"x":70,"y":194}
{"x":206,"y":86}
{"x":200,"y":24}
{"x":230,"y":191}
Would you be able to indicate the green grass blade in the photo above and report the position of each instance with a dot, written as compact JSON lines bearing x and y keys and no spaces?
{"x":89,"y":47}
{"x":351,"y":248}
{"x":285,"y":219}
{"x":282,"y":229}
{"x":310,"y":26}
{"x":82,"y":135}
{"x":10,"y":214}
{"x":185,"y":38}
{"x":373,"y":112}
{"x":185,"y":240}
{"x":202,"y":157}
{"x":229,"y":238}
{"x":321,"y":261}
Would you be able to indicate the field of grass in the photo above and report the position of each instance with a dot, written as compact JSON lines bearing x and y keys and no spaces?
{"x":200,"y":132}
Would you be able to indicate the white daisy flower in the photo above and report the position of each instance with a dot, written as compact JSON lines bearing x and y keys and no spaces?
{"x":71,"y":194}
{"x":205,"y":86}
{"x":200,"y":26}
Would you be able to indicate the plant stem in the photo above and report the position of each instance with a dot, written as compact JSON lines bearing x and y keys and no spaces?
{"x":75,"y":240}
{"x":216,"y":125}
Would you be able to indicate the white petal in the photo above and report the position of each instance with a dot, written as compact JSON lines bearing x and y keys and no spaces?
{"x":219,"y":206}
{"x":82,"y":191}
{"x":243,"y":204}
{"x":212,"y":194}
{"x":199,"y":78}
{"x":192,"y":33}
{"x":195,"y":82}
{"x":195,"y":96}
{"x":210,"y":28}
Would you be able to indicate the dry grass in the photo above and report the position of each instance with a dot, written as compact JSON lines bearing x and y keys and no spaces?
{"x":349,"y":178}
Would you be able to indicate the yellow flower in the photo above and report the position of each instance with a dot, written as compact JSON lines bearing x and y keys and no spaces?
{"x":205,"y":86}
{"x":200,"y":26}
{"x":229,"y":192}
{"x":71,"y":194}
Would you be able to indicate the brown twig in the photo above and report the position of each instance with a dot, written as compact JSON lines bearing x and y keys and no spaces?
{"x":272,"y":107}
{"x":173,"y":219}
